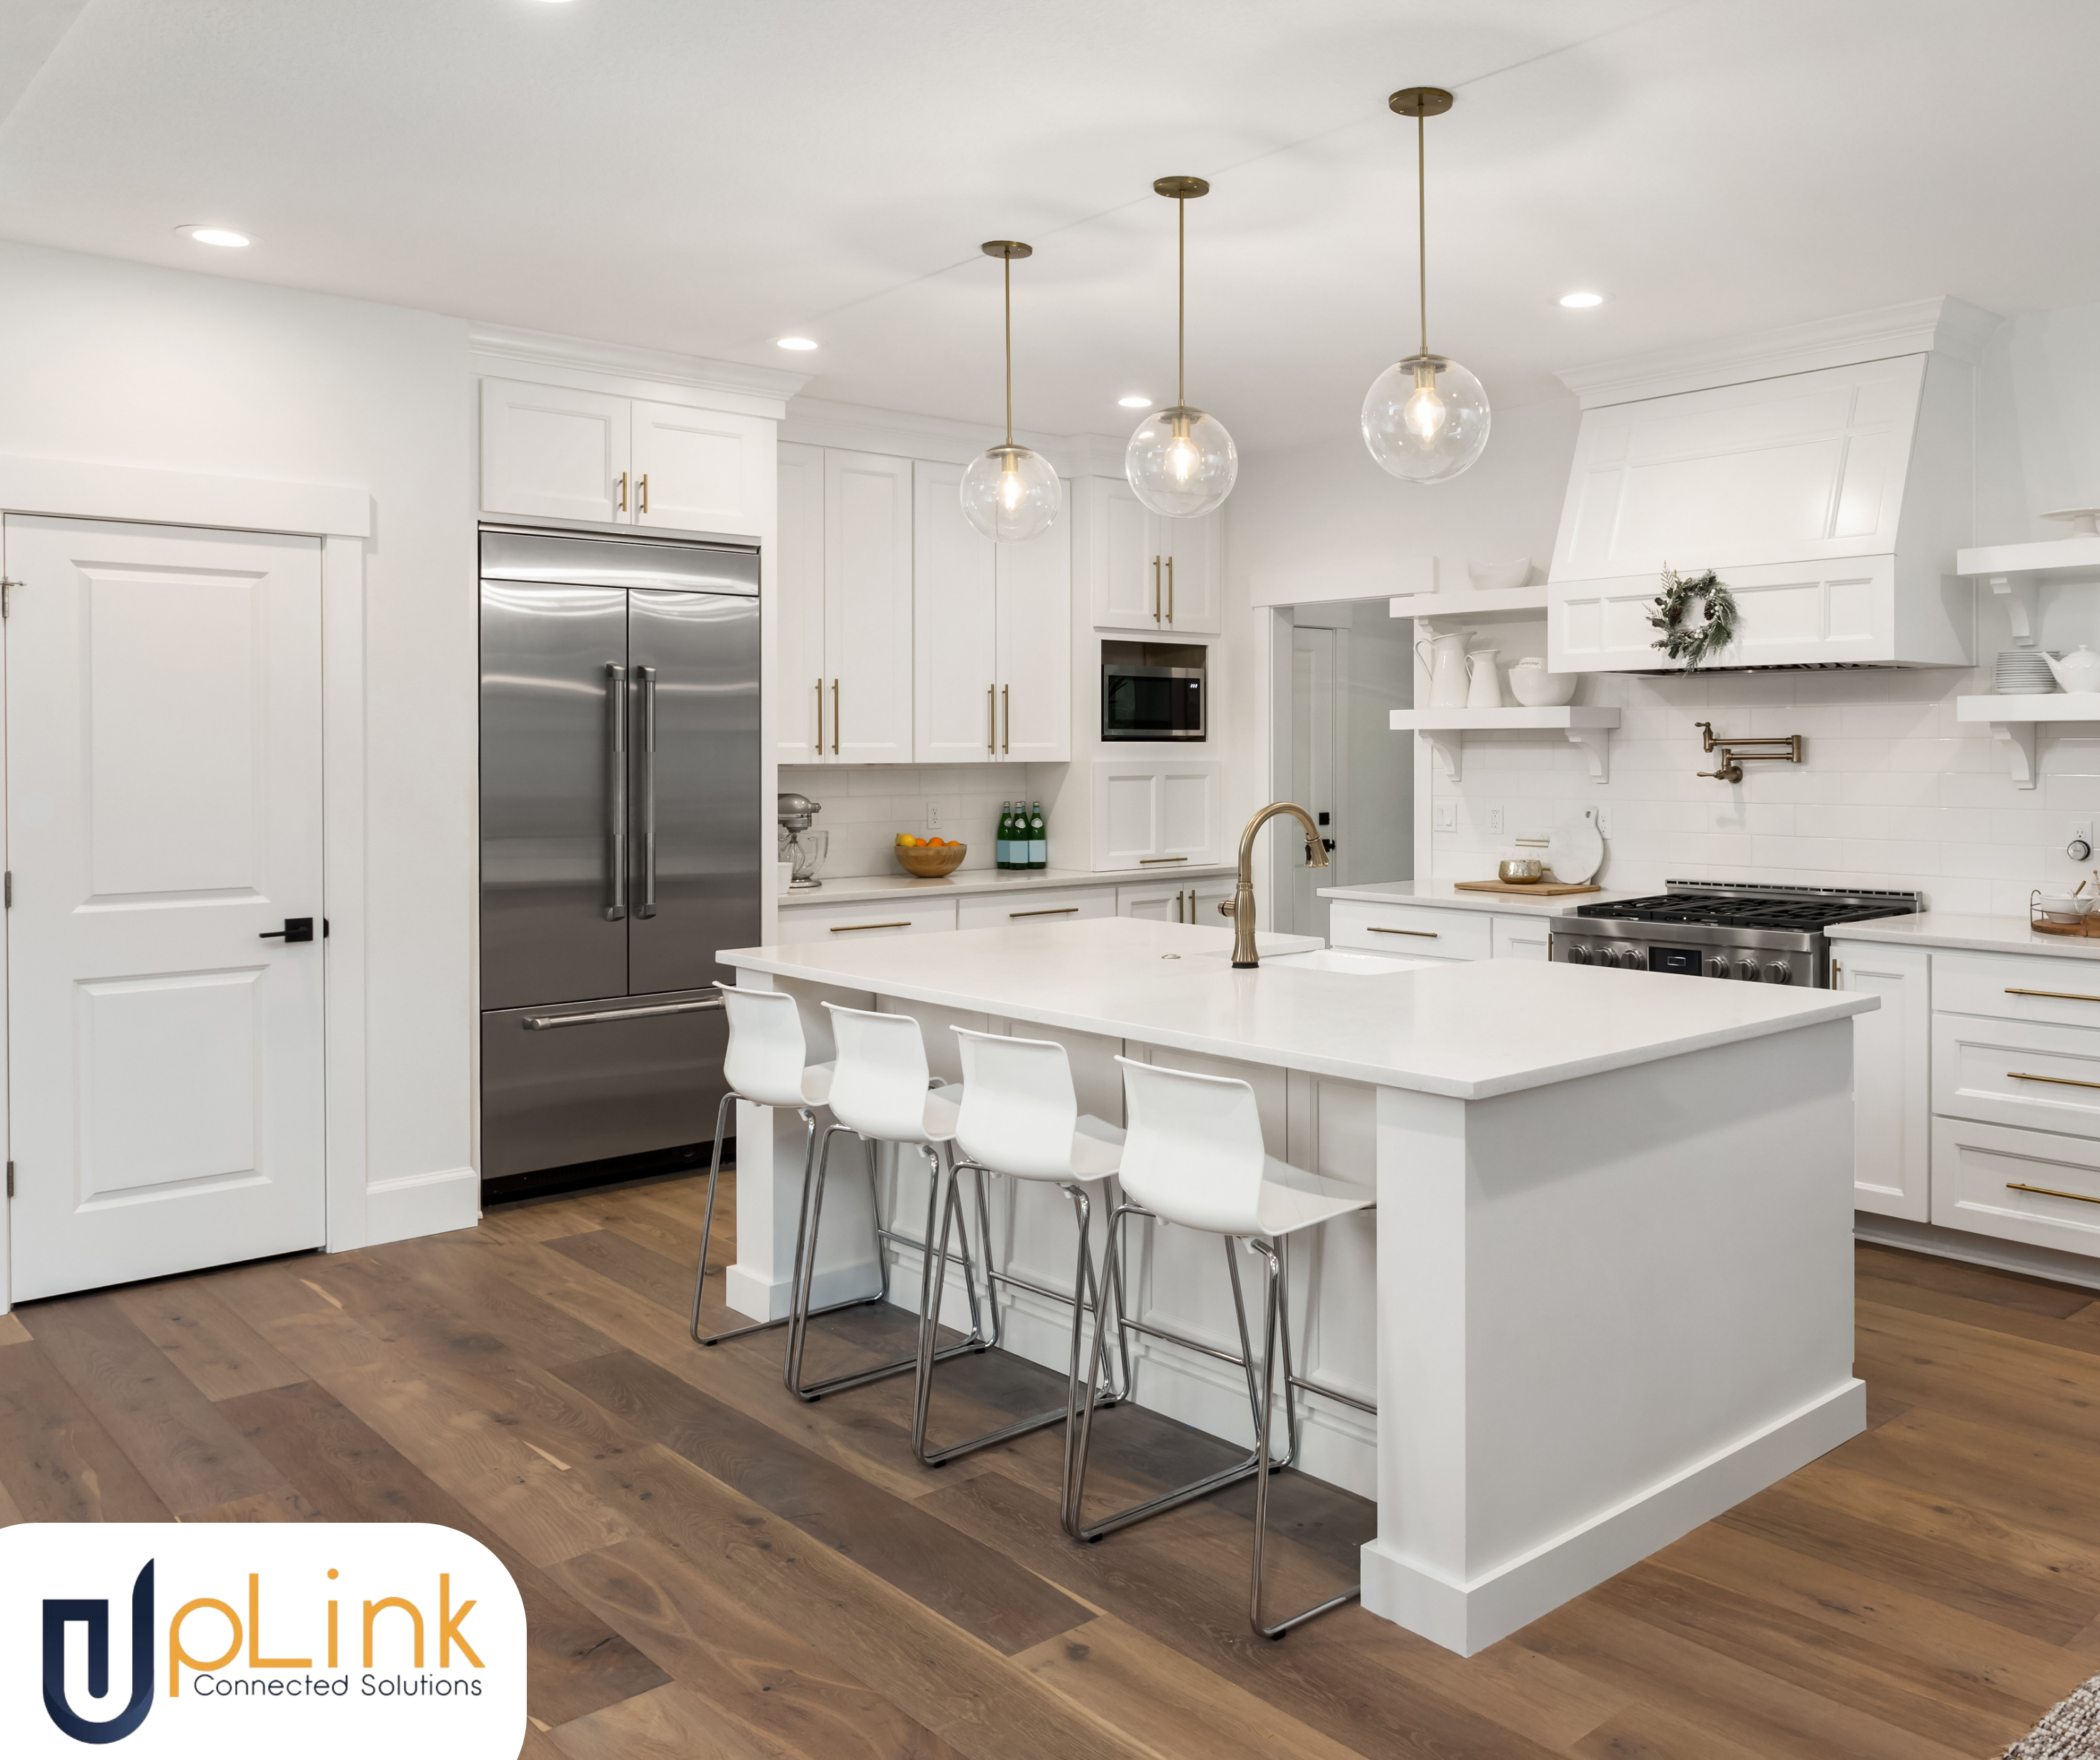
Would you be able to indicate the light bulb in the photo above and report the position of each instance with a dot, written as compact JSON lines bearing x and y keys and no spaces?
{"x":1010,"y":494}
{"x":1181,"y":462}
{"x":1009,"y":489}
{"x":1425,"y":412}
{"x":1426,"y":419}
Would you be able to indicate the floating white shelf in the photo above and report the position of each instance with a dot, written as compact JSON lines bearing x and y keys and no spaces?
{"x":1445,"y":729}
{"x":2013,"y":719}
{"x":1503,"y":603}
{"x":2012,"y":571}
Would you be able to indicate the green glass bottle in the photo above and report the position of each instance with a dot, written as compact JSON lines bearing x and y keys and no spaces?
{"x":1038,"y":838}
{"x":1005,"y":857}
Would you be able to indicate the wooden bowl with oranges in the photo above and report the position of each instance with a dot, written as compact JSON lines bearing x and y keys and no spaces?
{"x":929,"y":858}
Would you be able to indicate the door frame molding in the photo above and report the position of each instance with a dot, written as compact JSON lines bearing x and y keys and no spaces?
{"x":340,"y":516}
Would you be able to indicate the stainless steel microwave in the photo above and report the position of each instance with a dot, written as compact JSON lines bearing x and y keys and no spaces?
{"x":1152,"y":691}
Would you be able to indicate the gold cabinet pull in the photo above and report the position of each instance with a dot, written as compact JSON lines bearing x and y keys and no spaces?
{"x":835,"y":718}
{"x":848,"y":928}
{"x":1048,"y":910}
{"x":1154,"y":861}
{"x":1155,"y":585}
{"x":1006,"y":698}
{"x":992,"y":719}
{"x":1178,"y":917}
{"x":1427,"y":934}
{"x":820,"y":718}
{"x":2060,"y":996}
{"x":641,"y":505}
{"x":1170,"y":588}
{"x":2051,"y":1191}
{"x":2061,"y":1081}
{"x":623,"y":492}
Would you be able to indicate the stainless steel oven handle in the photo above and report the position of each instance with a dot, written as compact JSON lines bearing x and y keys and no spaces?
{"x":540,"y":1022}
{"x":647,"y":907}
{"x":616,"y":830}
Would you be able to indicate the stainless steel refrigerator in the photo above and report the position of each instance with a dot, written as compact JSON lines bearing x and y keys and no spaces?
{"x":621,"y":845}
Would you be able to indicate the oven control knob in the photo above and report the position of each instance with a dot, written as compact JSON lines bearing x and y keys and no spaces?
{"x":1747,"y":971}
{"x":1778,"y":972}
{"x":1717,"y":967}
{"x":1608,"y":955}
{"x":1635,"y":959}
{"x":1579,"y":954}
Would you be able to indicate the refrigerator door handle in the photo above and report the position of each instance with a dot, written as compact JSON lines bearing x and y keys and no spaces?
{"x":540,"y":1022}
{"x":647,"y":907}
{"x":616,"y":830}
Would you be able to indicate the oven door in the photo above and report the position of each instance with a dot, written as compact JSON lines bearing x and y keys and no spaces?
{"x":1152,"y":702}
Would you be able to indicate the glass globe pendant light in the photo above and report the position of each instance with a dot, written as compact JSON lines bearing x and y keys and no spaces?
{"x":1181,"y":462}
{"x":1425,"y":418}
{"x":1011,"y":493}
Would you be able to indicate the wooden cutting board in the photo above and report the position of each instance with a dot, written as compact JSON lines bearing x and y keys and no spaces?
{"x":1534,"y":889}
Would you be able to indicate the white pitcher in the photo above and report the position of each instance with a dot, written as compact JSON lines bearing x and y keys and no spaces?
{"x":1485,"y":691}
{"x":1446,"y":662}
{"x":2078,"y":671}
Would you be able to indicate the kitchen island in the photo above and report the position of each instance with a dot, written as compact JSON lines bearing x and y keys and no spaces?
{"x":1607,"y":1290}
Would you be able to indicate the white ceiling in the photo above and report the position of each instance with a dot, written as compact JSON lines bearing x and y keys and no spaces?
{"x":705,"y":175}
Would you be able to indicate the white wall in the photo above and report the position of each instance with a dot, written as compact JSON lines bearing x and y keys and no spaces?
{"x":116,"y":362}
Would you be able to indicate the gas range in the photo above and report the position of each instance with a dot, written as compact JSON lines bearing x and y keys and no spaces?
{"x":1716,"y":929}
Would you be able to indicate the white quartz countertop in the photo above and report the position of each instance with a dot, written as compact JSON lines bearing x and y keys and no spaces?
{"x":1471,"y":1030}
{"x":856,"y":889}
{"x":1976,"y":933}
{"x":1439,"y":893}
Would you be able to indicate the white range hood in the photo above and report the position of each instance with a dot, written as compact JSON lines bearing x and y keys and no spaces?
{"x":1826,"y":473}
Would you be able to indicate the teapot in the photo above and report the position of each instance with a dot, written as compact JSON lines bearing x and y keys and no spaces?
{"x":2077,"y":671}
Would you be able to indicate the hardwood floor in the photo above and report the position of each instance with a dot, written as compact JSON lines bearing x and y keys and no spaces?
{"x":711,"y":1568}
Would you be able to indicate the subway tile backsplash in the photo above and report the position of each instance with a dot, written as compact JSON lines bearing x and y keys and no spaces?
{"x":1894,"y":791}
{"x":867,"y":805}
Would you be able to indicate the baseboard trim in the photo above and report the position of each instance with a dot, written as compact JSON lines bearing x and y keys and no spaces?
{"x":1977,"y":1249}
{"x":1468,"y":1616}
{"x":421,"y":1203}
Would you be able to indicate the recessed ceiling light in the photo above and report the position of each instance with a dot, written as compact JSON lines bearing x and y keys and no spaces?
{"x":1581,"y":299}
{"x":212,"y":235}
{"x":1135,"y":402}
{"x":800,"y":344}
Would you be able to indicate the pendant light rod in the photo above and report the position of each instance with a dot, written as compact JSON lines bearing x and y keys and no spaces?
{"x":1421,"y":102}
{"x":1007,"y":250}
{"x":1181,"y":190}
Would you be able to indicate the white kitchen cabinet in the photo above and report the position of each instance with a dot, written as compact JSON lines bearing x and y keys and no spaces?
{"x":552,"y":452}
{"x":1147,"y":572}
{"x":2027,"y":1186}
{"x":1168,"y":899}
{"x":992,"y":638}
{"x":1151,"y":812}
{"x":1042,"y":905}
{"x":857,"y":597}
{"x":1523,"y":938}
{"x":798,"y":587}
{"x":1891,"y":1060}
{"x":864,"y":922}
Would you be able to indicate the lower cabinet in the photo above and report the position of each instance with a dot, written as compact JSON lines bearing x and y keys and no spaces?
{"x":1420,"y":931}
{"x":816,"y":922}
{"x":1891,"y":1108}
{"x":2027,"y":1186}
{"x":994,"y":910}
{"x":1184,"y":901}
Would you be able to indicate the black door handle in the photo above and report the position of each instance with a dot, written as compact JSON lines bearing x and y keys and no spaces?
{"x":295,"y":929}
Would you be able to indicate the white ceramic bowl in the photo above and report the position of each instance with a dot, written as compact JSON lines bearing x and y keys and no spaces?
{"x":1536,"y":688}
{"x":1497,"y":577}
{"x":2064,"y":906}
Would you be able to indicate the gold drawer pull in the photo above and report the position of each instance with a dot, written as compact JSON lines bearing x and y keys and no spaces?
{"x":848,"y":928}
{"x":2061,"y":1081}
{"x":1427,"y":934}
{"x":1048,"y":910}
{"x":2060,"y":996}
{"x":2051,"y":1191}
{"x":1154,"y":861}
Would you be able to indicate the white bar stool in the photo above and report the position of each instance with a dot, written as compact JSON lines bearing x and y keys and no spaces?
{"x":1020,"y":1117}
{"x":1193,"y":1156}
{"x":764,"y":1065}
{"x":881,"y":1093}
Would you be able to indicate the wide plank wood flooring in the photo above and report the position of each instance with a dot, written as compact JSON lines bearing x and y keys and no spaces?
{"x":711,"y":1568}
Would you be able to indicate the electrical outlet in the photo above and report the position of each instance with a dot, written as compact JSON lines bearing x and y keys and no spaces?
{"x":1603,"y":821}
{"x":933,"y":816}
{"x":2080,"y":833}
{"x":1494,"y":821}
{"x":1443,"y":816}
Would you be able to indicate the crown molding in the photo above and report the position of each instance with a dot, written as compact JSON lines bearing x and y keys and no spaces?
{"x":820,"y":421}
{"x":1942,"y":325}
{"x":750,"y":386}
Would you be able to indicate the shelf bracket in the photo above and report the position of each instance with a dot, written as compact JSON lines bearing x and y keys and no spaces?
{"x":2017,"y":740}
{"x":2017,"y":591}
{"x":1448,"y":744}
{"x":1596,"y":744}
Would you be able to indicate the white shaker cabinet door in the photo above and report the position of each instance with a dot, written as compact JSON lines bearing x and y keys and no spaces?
{"x":1154,"y":812}
{"x":954,"y":615}
{"x":553,"y":453}
{"x":1190,"y":604}
{"x":801,"y":709}
{"x":1034,"y":591}
{"x":867,"y":607}
{"x":1126,"y":568}
{"x":1891,"y":1103}
{"x":701,"y":470}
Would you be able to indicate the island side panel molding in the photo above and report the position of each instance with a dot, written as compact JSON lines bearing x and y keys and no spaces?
{"x":1586,"y":1351}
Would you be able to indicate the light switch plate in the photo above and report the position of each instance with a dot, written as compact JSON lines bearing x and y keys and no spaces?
{"x":1443,"y":816}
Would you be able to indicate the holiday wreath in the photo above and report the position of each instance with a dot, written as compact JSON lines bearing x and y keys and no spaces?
{"x":1697,"y":642}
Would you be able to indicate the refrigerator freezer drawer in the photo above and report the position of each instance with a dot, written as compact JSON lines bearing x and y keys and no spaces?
{"x":590,"y":1082}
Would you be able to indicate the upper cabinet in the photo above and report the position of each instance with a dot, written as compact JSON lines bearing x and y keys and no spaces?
{"x":1147,"y":572}
{"x":554,"y":452}
{"x":992,"y":635}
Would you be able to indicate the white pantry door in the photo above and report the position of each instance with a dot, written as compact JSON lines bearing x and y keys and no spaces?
{"x":164,"y":812}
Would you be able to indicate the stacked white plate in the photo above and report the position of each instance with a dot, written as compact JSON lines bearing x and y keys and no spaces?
{"x":2024,"y":672}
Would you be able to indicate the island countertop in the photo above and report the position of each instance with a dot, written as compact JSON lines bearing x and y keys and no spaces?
{"x":1471,"y":1030}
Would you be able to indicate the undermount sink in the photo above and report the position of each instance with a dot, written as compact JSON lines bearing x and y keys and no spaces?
{"x":1340,"y":960}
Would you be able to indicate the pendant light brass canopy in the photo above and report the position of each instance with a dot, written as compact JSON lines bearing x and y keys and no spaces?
{"x":1181,"y":462}
{"x":1425,"y":418}
{"x":1011,"y":493}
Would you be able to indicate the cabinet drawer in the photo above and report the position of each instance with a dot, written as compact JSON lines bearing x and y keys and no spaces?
{"x":828,"y":922}
{"x":2019,"y":1185}
{"x":991,"y":911}
{"x":2016,"y":987}
{"x":1522,"y":937}
{"x":1413,"y":929}
{"x":2017,"y":1073}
